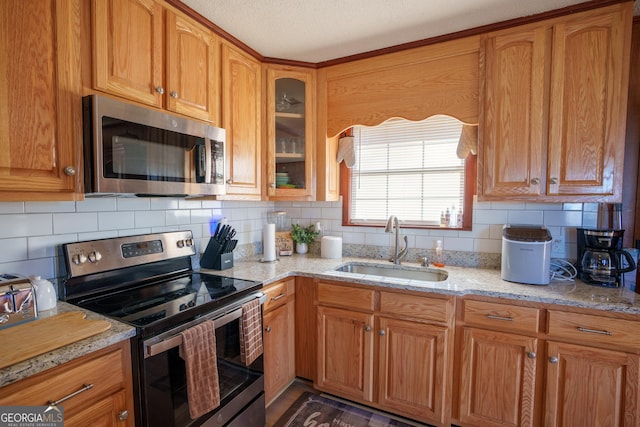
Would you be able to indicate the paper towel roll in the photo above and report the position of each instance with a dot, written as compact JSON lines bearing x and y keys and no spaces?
{"x":331,"y":247}
{"x":269,"y":243}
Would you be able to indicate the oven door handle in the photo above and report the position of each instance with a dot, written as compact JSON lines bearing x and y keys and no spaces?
{"x":176,"y":340}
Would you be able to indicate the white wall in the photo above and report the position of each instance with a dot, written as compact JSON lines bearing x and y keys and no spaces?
{"x":30,"y":231}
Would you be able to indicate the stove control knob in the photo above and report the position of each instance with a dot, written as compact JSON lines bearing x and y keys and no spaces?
{"x":183,"y":307}
{"x":95,"y":256}
{"x":181,"y":243}
{"x":78,"y":259}
{"x":188,"y":242}
{"x":191,"y":304}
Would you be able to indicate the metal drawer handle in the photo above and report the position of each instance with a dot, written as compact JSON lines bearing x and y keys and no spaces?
{"x":593,"y":331}
{"x":85,"y":387}
{"x":508,"y":319}
{"x":123,"y":415}
{"x":278,"y":297}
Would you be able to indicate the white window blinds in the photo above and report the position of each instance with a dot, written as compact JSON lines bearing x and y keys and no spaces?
{"x":408,"y":169}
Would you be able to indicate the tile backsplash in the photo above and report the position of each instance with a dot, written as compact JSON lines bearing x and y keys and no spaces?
{"x":31,"y":231}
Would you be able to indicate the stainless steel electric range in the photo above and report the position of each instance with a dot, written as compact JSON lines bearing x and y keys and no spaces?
{"x":148,"y":281}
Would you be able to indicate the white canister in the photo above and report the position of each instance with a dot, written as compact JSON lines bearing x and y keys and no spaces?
{"x":331,"y":247}
{"x":46,"y":297}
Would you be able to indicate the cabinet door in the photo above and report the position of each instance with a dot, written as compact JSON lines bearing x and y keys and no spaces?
{"x":306,"y":328}
{"x":128,"y":49}
{"x":192,"y":67}
{"x":514,"y":128}
{"x":290,"y":133}
{"x":588,"y":387}
{"x":40,"y":106}
{"x":110,"y":411}
{"x":497,"y":381}
{"x":241,"y":117}
{"x":413,"y":369}
{"x":589,"y":84}
{"x":279,"y":350}
{"x":345,"y":353}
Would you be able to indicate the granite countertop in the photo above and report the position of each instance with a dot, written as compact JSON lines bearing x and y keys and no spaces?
{"x":116,"y":333}
{"x":461,"y":281}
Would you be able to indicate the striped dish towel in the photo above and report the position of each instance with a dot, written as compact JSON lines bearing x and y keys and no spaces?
{"x":251,"y":332}
{"x":198,"y":350}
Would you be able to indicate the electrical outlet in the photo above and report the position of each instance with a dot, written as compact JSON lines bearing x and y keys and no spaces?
{"x":557,"y":246}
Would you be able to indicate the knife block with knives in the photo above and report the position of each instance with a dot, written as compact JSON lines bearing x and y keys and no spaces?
{"x":219,"y":252}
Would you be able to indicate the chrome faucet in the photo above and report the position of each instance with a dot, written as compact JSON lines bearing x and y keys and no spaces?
{"x":391,"y":227}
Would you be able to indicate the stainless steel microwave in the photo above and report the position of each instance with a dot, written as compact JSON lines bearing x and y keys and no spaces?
{"x":141,"y":151}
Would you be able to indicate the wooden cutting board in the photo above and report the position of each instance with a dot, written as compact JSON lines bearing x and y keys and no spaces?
{"x":40,"y":336}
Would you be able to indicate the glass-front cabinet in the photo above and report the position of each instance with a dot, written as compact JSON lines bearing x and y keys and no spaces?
{"x":290,"y":133}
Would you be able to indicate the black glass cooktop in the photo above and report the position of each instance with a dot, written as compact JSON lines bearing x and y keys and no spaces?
{"x":151,"y":303}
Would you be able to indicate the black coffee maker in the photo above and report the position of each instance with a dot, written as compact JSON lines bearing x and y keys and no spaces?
{"x":601,"y":260}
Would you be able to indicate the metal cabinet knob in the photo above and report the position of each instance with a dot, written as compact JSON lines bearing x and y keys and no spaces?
{"x":531,"y":354}
{"x":535,"y":181}
{"x":70,"y":171}
{"x":267,"y":329}
{"x":367,"y":328}
{"x":381,"y":332}
{"x":229,"y":181}
{"x":123,"y":415}
{"x":174,"y":94}
{"x":553,"y":181}
{"x":160,"y":90}
{"x":553,"y":359}
{"x":272,"y":185}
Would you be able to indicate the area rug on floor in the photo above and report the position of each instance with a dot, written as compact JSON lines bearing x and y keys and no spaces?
{"x":313,"y":410}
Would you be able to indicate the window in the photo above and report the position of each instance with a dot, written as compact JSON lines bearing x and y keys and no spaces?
{"x":411,"y":170}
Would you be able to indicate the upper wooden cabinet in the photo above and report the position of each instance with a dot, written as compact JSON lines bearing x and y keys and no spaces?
{"x":290,"y":130}
{"x":241,"y":117}
{"x":554,"y":108}
{"x":40,"y":106}
{"x":130,"y":58}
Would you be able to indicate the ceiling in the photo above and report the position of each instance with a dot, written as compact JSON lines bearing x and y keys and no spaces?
{"x":320,"y":30}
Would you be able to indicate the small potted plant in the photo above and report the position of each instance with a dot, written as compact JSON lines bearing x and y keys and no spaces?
{"x":303,"y":236}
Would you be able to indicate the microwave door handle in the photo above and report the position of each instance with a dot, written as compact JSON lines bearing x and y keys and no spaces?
{"x":208,"y":161}
{"x":176,"y":340}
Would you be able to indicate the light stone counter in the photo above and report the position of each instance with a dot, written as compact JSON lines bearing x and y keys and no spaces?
{"x":118,"y":332}
{"x":461,"y":281}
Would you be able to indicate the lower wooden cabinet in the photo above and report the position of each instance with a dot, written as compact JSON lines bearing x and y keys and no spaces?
{"x":279,"y":335}
{"x":384,"y":352}
{"x":98,"y":389}
{"x":498,"y":379}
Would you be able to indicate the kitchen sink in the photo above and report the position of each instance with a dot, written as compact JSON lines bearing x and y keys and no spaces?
{"x":423,"y":274}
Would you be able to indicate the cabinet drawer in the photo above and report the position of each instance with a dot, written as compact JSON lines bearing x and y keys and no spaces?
{"x":106,"y":374}
{"x":426,"y":308}
{"x":277,"y":294}
{"x":346,"y":296}
{"x":505,"y":317}
{"x":595,"y":330}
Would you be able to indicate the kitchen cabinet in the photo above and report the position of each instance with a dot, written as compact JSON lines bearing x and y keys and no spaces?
{"x":592,"y":371}
{"x":306,"y":328}
{"x":97,"y":388}
{"x":387,"y":349}
{"x":279,"y":336}
{"x":290,"y":129}
{"x":40,"y":107}
{"x":554,"y":108}
{"x":499,"y":366}
{"x":131,"y":60}
{"x":241,"y":117}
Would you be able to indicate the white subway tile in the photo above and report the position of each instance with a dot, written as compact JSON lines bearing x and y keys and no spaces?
{"x":572,"y":206}
{"x":177,"y":217}
{"x":135,"y":231}
{"x":377,"y":239}
{"x":134,"y":203}
{"x":44,"y":267}
{"x":212,"y":204}
{"x":201,"y":216}
{"x":116,"y":220}
{"x":563,"y":218}
{"x":491,"y":217}
{"x":11,"y":207}
{"x":21,"y":225}
{"x":12,"y":250}
{"x":41,"y":207}
{"x":495,"y":232}
{"x":426,"y":242}
{"x":479,"y":231}
{"x":237,"y":214}
{"x":75,"y":222}
{"x":353,"y":238}
{"x":543,"y":206}
{"x":487,"y":246}
{"x":149,"y":219}
{"x":457,"y":244}
{"x":507,"y":205}
{"x":96,"y":204}
{"x":163,"y":203}
{"x":525,"y":217}
{"x":189,"y":204}
{"x":97,"y":235}
{"x":589,"y":219}
{"x":330,"y":213}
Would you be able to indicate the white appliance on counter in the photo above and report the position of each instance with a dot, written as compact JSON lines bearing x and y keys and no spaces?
{"x":526,"y":254}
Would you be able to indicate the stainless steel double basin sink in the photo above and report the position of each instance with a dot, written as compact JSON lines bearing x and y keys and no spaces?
{"x":395,"y":271}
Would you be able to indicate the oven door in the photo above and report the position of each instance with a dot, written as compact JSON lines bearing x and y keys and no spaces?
{"x":163,"y":387}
